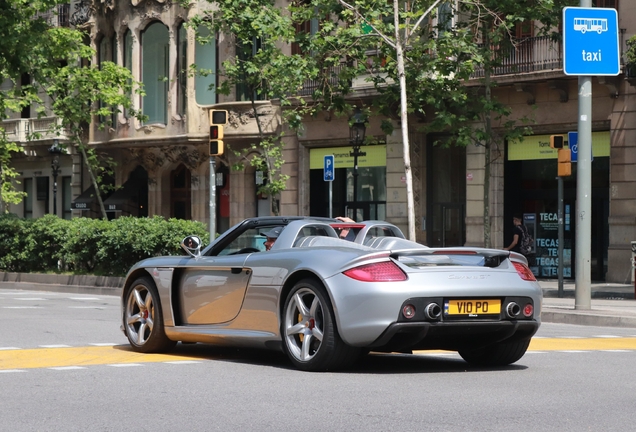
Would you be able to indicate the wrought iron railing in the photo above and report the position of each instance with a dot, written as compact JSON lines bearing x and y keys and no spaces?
{"x":534,"y":54}
{"x":332,"y":76}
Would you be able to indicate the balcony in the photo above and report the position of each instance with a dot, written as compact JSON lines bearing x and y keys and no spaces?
{"x":535,"y":54}
{"x":33,"y":129}
{"x":58,"y":17}
{"x":331,"y":80}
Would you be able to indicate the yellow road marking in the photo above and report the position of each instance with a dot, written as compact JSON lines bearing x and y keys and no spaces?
{"x":122,"y":354}
{"x":80,"y":356}
{"x":566,"y":344}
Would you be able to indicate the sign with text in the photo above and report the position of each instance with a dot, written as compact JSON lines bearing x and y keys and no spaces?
{"x":590,"y":41}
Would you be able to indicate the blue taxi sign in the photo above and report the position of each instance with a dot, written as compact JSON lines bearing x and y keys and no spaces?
{"x":590,"y":41}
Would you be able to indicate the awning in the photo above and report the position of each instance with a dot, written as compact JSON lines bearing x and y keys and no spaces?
{"x":85,"y":200}
{"x":126,"y":198}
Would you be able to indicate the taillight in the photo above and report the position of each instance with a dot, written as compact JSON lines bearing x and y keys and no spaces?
{"x":386,"y":271}
{"x":524,"y":272}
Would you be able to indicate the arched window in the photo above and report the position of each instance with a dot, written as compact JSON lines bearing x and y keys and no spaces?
{"x":154,"y":67}
{"x":205,"y":58}
{"x":180,"y":193}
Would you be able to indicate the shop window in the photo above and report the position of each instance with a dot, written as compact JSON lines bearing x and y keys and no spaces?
{"x":66,"y":197}
{"x":154,"y":66}
{"x":180,"y":193}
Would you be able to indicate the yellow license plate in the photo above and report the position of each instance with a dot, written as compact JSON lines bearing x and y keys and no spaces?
{"x":472,"y":307}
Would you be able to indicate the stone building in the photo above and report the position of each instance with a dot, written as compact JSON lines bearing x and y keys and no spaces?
{"x":163,"y":164}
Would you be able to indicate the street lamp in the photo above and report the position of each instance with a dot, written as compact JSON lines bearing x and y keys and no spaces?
{"x":55,"y":151}
{"x":357,"y":130}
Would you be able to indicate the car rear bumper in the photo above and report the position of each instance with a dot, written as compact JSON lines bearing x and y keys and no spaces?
{"x":453,"y":336}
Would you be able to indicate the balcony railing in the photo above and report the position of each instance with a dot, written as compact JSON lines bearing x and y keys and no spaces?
{"x":58,"y":17}
{"x":35,"y":129}
{"x":535,"y":54}
{"x":332,"y":74}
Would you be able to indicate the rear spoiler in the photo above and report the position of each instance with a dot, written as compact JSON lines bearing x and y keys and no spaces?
{"x":454,"y":256}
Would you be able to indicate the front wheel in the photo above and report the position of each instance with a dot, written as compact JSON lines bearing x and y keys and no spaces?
{"x":309,"y":333}
{"x":499,"y":354}
{"x":143,"y":321}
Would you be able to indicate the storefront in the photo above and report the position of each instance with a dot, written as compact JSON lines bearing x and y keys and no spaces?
{"x":361,"y":198}
{"x":530,"y":188}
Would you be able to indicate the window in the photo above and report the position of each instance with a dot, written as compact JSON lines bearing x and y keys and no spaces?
{"x":244,"y":51}
{"x":154,"y":66}
{"x":605,"y":3}
{"x":205,"y":57}
{"x":28,"y":199}
{"x":128,"y":50}
{"x":182,"y":72}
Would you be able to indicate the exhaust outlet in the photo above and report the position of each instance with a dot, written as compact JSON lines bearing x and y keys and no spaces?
{"x":513,"y":309}
{"x":433,"y":311}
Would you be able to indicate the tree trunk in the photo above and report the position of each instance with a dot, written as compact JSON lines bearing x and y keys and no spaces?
{"x":399,"y":51}
{"x":487,"y":147}
{"x":95,"y":185}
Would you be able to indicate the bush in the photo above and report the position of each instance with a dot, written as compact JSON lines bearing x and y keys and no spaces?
{"x":83,"y":245}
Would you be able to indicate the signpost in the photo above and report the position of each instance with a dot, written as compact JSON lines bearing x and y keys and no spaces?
{"x":329,"y":174}
{"x":590,"y":47}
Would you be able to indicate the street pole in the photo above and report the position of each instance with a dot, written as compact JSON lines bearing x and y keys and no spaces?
{"x":212,"y":199}
{"x":560,"y":267}
{"x":583,"y":297}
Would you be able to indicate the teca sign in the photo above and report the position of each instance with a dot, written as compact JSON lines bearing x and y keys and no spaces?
{"x":590,"y":41}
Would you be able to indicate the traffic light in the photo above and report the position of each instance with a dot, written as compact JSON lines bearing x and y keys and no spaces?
{"x":556,"y":141}
{"x":218,"y":118}
{"x":565,"y":163}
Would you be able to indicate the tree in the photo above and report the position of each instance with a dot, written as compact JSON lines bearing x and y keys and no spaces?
{"x":20,"y":31}
{"x":58,"y":61}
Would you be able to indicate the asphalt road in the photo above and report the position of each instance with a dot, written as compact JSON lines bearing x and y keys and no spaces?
{"x":64,"y":365}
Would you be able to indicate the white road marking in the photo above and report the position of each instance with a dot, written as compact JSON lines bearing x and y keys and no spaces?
{"x":22,"y":307}
{"x":83,"y":298}
{"x":54,"y":346}
{"x":29,"y":298}
{"x":124,"y":364}
{"x":62,"y":368}
{"x":103,"y":344}
{"x":12,"y":370}
{"x":9,"y":348}
{"x":183,"y":362}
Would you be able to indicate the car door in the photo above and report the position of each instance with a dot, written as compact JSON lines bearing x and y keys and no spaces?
{"x":212,"y":288}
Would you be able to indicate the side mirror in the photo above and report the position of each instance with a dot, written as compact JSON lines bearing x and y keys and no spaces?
{"x":192,"y":245}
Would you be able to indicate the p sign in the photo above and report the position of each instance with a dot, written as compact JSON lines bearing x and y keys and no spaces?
{"x":329,"y":173}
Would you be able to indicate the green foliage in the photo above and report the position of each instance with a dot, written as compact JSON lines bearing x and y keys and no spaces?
{"x":630,"y":56}
{"x":84,"y":245}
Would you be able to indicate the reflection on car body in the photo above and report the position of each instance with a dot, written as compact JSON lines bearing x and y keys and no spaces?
{"x":325,"y":301}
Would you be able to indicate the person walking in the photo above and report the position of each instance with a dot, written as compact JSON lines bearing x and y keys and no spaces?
{"x":517,"y":235}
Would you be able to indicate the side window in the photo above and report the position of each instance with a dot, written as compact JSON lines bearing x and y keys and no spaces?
{"x":252,"y":240}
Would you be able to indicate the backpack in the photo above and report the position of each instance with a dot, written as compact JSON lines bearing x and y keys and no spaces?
{"x":527,"y":242}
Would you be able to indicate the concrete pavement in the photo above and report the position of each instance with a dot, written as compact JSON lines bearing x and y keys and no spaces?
{"x":612,"y":305}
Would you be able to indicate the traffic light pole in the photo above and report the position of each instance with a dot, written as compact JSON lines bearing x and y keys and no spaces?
{"x":212,"y":199}
{"x":561,"y":235}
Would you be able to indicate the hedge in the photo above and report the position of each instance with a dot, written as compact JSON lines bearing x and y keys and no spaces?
{"x":89,"y":246}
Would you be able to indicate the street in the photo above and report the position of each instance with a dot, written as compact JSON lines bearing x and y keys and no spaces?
{"x":65,"y":365}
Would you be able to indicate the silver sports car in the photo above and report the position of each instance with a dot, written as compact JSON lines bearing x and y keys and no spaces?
{"x":325,"y":300}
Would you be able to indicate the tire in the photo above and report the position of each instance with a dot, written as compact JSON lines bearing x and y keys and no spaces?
{"x":308,"y":330}
{"x":499,"y":354}
{"x":143,"y":319}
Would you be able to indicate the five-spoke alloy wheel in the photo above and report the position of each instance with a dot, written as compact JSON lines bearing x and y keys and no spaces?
{"x":308,"y":329}
{"x":143,"y":322}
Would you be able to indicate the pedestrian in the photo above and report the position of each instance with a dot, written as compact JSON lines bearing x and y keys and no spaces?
{"x":517,"y":235}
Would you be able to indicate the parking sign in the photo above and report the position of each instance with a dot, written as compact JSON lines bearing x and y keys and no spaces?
{"x":329,"y":173}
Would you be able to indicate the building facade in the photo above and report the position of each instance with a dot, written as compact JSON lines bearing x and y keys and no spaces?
{"x":163,"y":164}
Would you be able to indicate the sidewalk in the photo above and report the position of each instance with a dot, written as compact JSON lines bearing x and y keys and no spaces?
{"x":612,"y":305}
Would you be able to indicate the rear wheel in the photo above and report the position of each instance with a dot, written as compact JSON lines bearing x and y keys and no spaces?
{"x":143,"y":320}
{"x":499,"y":354}
{"x":309,"y":333}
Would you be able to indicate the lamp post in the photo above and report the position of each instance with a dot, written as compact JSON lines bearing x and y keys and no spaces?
{"x":55,"y":151}
{"x":357,"y":130}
